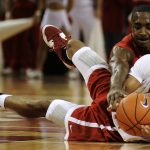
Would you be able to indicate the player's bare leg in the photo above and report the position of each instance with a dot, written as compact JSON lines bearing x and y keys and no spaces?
{"x":54,"y":110}
{"x":26,"y":106}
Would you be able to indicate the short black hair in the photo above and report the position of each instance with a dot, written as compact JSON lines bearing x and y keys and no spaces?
{"x":141,"y":8}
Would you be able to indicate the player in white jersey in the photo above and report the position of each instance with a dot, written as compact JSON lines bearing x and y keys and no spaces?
{"x":141,"y":73}
{"x":83,"y":123}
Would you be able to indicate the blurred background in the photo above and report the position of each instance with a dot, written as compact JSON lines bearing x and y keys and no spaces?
{"x":23,"y":52}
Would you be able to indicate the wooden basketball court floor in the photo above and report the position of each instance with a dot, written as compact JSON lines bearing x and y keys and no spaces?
{"x":20,"y":133}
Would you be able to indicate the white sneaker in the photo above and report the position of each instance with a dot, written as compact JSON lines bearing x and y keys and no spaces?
{"x":74,"y":74}
{"x":34,"y":74}
{"x":7,"y":71}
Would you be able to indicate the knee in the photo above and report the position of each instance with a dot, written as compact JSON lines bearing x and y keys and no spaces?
{"x":57,"y":111}
{"x":54,"y":106}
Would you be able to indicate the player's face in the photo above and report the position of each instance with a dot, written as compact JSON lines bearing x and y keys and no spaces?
{"x":141,"y":29}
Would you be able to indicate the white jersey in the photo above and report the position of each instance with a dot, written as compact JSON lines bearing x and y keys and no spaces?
{"x":82,"y":22}
{"x":57,"y":18}
{"x":141,"y":69}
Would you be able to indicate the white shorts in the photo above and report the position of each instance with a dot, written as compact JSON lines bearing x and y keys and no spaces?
{"x":57,"y":18}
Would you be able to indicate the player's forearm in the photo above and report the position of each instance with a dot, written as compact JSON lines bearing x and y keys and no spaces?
{"x":119,"y":75}
{"x":119,"y":63}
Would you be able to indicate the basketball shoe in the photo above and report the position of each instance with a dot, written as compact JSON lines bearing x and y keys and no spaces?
{"x":57,"y":41}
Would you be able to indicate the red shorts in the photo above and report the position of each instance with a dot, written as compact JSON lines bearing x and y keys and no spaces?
{"x":94,"y":122}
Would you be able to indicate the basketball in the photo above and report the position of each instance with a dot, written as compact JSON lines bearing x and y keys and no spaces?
{"x":132,"y":112}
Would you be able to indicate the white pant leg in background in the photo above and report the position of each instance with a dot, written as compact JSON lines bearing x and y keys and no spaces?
{"x":82,"y":19}
{"x":57,"y":18}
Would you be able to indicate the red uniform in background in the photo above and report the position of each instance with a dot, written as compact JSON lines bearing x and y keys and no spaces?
{"x":114,"y":21}
{"x":20,"y":50}
{"x":140,"y":2}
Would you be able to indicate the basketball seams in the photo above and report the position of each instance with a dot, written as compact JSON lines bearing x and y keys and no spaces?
{"x":122,"y":121}
{"x":133,"y":112}
{"x":134,"y":125}
{"x":136,"y":102}
{"x":137,"y":122}
{"x":136,"y":111}
{"x":130,"y":128}
{"x":126,"y":113}
{"x":145,"y":116}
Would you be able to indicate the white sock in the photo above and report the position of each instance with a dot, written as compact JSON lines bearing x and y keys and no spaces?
{"x":57,"y":111}
{"x":87,"y":60}
{"x":2,"y":99}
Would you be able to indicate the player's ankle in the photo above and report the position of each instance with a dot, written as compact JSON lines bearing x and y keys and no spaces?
{"x":70,"y":53}
{"x":72,"y":47}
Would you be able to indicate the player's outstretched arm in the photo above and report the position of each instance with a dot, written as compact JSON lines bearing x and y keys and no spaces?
{"x":25,"y":106}
{"x":119,"y":63}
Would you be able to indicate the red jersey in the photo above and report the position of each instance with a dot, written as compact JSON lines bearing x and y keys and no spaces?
{"x":117,"y":10}
{"x":127,"y":43}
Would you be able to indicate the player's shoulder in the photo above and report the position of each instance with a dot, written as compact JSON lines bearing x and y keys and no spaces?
{"x":147,"y":56}
{"x":145,"y":59}
{"x":121,"y":51}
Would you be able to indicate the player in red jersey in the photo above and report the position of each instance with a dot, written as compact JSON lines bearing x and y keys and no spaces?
{"x":127,"y":51}
{"x":82,"y":123}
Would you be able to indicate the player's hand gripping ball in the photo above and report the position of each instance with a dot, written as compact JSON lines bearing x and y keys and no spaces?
{"x":132,"y":112}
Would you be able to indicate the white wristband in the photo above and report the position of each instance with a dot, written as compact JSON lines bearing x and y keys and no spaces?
{"x":2,"y":99}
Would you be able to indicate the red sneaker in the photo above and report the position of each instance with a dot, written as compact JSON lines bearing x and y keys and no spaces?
{"x":57,"y":41}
